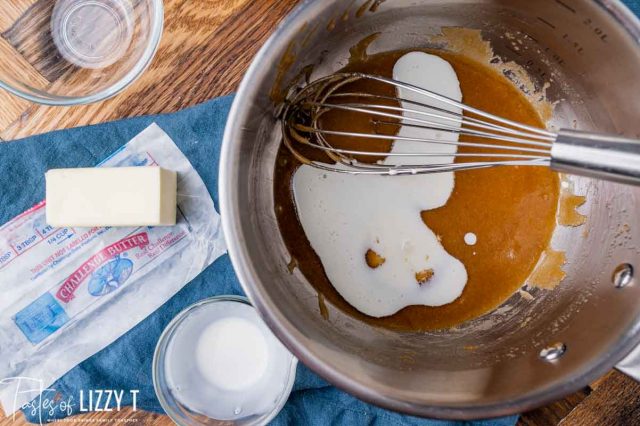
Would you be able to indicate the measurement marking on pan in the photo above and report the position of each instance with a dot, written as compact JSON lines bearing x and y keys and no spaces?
{"x":512,"y":50}
{"x":577,"y":46}
{"x":596,"y":30}
{"x":544,"y":21}
{"x":538,"y":71}
{"x":566,"y":6}
{"x":556,"y":58}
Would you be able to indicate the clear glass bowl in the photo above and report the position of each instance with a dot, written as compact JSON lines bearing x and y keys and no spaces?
{"x":176,"y":381}
{"x":69,"y":52}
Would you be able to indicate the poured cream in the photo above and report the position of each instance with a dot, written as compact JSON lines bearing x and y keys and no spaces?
{"x":344,"y":216}
{"x":470,"y":239}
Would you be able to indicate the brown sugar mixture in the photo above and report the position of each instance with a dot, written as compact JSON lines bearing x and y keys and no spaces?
{"x":511,"y":210}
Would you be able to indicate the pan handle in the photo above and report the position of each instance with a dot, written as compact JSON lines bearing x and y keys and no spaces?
{"x":599,"y":156}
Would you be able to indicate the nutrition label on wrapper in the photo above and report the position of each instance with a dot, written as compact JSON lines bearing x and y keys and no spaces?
{"x":82,"y":288}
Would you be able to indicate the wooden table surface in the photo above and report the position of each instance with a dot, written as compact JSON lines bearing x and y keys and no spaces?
{"x":206,"y":47}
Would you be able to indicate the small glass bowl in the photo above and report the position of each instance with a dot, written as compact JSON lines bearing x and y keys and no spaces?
{"x":170,"y":399}
{"x":70,"y":52}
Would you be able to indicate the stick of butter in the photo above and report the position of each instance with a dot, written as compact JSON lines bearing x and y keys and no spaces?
{"x":116,"y":196}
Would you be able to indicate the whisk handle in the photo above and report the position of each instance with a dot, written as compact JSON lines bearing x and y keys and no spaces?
{"x":599,"y":156}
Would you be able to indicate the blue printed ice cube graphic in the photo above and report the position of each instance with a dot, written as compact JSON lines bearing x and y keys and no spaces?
{"x":41,"y":318}
{"x":110,"y":276}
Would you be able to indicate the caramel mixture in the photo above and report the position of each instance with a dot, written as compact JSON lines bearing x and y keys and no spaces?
{"x":511,"y":210}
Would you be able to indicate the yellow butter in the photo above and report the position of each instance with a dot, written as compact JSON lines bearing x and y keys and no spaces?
{"x":117,"y":196}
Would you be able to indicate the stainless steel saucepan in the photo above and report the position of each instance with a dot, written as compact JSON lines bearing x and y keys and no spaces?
{"x":528,"y":352}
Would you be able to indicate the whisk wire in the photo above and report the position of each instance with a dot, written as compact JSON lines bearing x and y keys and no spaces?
{"x":455,"y":117}
{"x":505,"y":142}
{"x":432,"y":125}
{"x":454,"y":103}
{"x":412,"y":139}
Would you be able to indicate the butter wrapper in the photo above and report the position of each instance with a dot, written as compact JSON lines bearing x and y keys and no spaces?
{"x":70,"y":292}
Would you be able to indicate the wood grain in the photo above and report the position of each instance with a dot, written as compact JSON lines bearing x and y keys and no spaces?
{"x":31,"y":36}
{"x":206,"y":48}
{"x":204,"y":52}
{"x":552,"y":414}
{"x":13,"y":11}
{"x":616,"y":401}
{"x":14,"y":64}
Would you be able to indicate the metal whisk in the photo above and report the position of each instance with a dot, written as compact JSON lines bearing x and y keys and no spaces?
{"x":495,"y":141}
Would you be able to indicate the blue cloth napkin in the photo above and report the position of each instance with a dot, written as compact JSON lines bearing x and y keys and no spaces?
{"x":126,"y":364}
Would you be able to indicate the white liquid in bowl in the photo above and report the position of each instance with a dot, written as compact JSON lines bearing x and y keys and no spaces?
{"x":224,"y":363}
